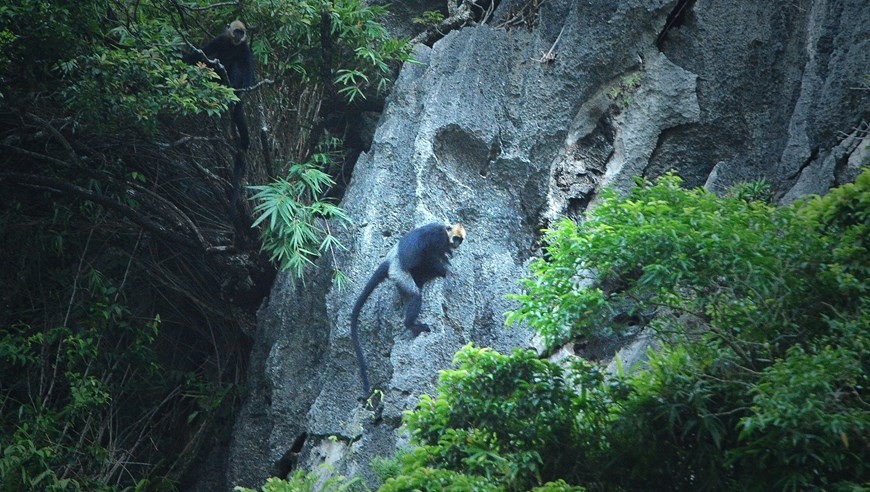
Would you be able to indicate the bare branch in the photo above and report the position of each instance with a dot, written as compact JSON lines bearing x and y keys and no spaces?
{"x":58,"y":136}
{"x":161,"y":201}
{"x":65,"y":187}
{"x":460,"y":16}
{"x":256,"y":86}
{"x":37,"y":155}
{"x":195,"y":8}
{"x":550,"y":55}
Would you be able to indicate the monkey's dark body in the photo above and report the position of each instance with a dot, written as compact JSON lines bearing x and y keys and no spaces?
{"x":420,"y":256}
{"x":238,"y":61}
{"x":425,"y":253}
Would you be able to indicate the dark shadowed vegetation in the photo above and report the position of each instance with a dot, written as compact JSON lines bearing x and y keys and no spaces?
{"x":129,"y":283}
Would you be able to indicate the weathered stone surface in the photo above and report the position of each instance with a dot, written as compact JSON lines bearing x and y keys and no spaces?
{"x":776,"y":87}
{"x":505,"y":128}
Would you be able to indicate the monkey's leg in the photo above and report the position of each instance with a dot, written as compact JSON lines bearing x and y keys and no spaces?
{"x":408,"y":288}
{"x":440,"y":267}
{"x":412,"y":310}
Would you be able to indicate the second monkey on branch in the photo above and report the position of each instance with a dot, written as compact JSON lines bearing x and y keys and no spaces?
{"x":420,"y":255}
{"x":231,"y":49}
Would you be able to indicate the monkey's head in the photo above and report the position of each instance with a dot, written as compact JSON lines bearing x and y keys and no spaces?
{"x":456,"y":234}
{"x":237,"y":32}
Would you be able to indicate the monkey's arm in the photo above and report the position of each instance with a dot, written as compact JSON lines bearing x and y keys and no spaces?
{"x":207,"y":53}
{"x":440,"y":264}
{"x":215,"y":46}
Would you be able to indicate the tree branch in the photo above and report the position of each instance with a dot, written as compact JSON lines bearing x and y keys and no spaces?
{"x":211,"y":6}
{"x":137,"y":217}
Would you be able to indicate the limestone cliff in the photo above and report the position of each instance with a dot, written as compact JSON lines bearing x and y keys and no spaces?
{"x":507,"y":124}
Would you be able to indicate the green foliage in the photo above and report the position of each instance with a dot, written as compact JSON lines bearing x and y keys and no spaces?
{"x":387,"y":467}
{"x":677,"y":419}
{"x":806,"y":408}
{"x":752,"y":191}
{"x":762,"y":312}
{"x":623,"y":91}
{"x":135,"y":86}
{"x":843,"y":217}
{"x":111,"y":73}
{"x":429,"y":18}
{"x":38,"y":34}
{"x":295,"y":215}
{"x":340,"y":41}
{"x":90,"y":398}
{"x":53,"y":436}
{"x":558,"y":486}
{"x":7,"y":37}
{"x":112,"y":220}
{"x":119,"y":68}
{"x":427,"y":478}
{"x":302,"y":481}
{"x":736,"y":267}
{"x":512,"y":420}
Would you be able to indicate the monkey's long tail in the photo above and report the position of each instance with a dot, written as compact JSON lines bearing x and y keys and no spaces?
{"x":238,"y":171}
{"x":377,"y":277}
{"x":241,"y":147}
{"x":241,"y":126}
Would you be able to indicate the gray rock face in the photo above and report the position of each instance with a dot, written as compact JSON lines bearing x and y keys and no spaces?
{"x":505,"y":127}
{"x":777,"y":88}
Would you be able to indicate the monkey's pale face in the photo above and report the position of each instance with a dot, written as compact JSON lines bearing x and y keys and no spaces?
{"x":237,"y":32}
{"x":456,"y":234}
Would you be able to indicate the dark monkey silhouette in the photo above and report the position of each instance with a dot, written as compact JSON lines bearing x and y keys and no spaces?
{"x":419,"y":256}
{"x":232,"y":50}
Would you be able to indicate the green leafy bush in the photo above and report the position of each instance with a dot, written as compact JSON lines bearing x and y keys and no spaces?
{"x":761,"y":378}
{"x":337,"y":42}
{"x":295,"y":215}
{"x":752,"y":191}
{"x":428,"y":478}
{"x":509,"y":419}
{"x":805,"y":411}
{"x":109,"y":74}
{"x":38,"y":34}
{"x":762,"y":311}
{"x":302,"y":481}
{"x":134,"y":87}
{"x":113,"y":216}
{"x":558,"y":486}
{"x":735,"y":267}
{"x":62,"y":387}
{"x":429,"y":18}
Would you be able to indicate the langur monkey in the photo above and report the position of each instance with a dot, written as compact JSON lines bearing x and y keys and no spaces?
{"x":232,"y":50}
{"x":419,"y":256}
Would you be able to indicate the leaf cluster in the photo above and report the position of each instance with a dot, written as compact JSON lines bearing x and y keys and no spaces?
{"x":295,"y":216}
{"x":429,"y":18}
{"x":503,"y":422}
{"x":760,"y":381}
{"x":64,"y":386}
{"x":336,"y":42}
{"x":762,"y":378}
{"x":114,"y":216}
{"x":310,"y":481}
{"x":36,"y":35}
{"x":136,"y":86}
{"x":114,"y":68}
{"x":735,"y":266}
